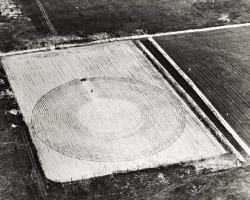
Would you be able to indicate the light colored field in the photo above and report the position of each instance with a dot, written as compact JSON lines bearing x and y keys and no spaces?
{"x":123,"y":116}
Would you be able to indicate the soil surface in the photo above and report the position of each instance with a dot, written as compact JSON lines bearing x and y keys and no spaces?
{"x":218,"y":63}
{"x":26,"y":28}
{"x":21,"y":177}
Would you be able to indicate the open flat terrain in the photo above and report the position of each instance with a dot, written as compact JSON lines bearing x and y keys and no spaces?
{"x":20,"y":180}
{"x":33,"y":24}
{"x":92,"y":16}
{"x":104,"y":108}
{"x":218,"y":63}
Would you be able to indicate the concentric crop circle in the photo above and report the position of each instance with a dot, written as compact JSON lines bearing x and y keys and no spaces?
{"x":108,"y":119}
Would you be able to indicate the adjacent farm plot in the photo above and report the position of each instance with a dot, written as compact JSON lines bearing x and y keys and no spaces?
{"x":120,"y":17}
{"x":26,"y":24}
{"x":104,"y":108}
{"x":218,"y":62}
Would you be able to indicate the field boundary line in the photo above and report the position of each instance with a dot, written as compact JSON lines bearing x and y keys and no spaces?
{"x":191,"y":101}
{"x":133,"y":37}
{"x":38,"y":179}
{"x":202,"y":29}
{"x":52,"y":29}
{"x":202,"y":96}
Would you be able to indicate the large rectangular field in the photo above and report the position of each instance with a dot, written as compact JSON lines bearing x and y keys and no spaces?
{"x":218,"y":62}
{"x":104,"y":108}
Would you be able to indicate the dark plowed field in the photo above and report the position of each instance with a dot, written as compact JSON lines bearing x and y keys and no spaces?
{"x":218,"y":62}
{"x":120,"y":17}
{"x":85,"y":20}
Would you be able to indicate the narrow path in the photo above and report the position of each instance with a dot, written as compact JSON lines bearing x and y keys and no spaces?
{"x":52,"y":29}
{"x":134,"y":37}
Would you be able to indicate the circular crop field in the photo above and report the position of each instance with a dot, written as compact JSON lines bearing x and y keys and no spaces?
{"x":108,"y":119}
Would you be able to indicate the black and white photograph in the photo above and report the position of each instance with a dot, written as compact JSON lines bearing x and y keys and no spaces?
{"x":124,"y":99}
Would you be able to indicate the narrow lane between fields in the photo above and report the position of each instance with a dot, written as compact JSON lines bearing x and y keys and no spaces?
{"x":52,"y":29}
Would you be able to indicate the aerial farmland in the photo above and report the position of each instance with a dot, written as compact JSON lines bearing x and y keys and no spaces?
{"x":219,"y":69}
{"x":118,"y":100}
{"x":42,"y":23}
{"x":128,"y":116}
